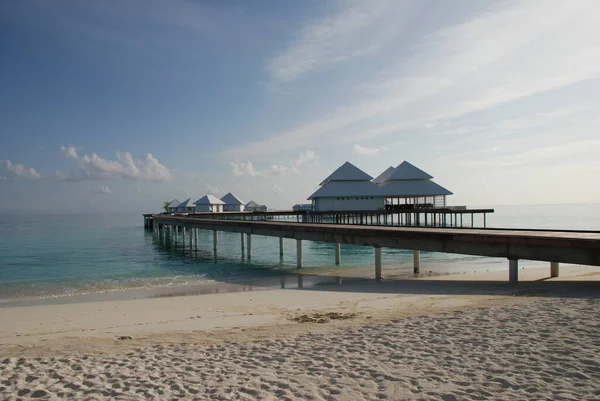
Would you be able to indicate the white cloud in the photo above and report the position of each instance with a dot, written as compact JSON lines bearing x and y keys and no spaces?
{"x":243,"y":169}
{"x":247,"y":169}
{"x":367,"y":150}
{"x":350,"y":32}
{"x":19,"y":172}
{"x":277,"y":189}
{"x":125,"y":166}
{"x":510,"y":53}
{"x":213,"y":190}
{"x":306,"y":159}
{"x":102,"y":190}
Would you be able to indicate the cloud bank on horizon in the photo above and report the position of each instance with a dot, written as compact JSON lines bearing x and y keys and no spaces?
{"x":496,"y":99}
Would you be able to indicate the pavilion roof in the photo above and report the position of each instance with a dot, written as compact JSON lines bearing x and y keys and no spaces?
{"x":347,"y":172}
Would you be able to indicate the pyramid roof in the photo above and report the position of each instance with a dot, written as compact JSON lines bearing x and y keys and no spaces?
{"x":174,"y":203}
{"x":347,"y":188}
{"x":184,"y":203}
{"x":381,"y":178}
{"x":412,"y":188}
{"x":231,"y":199}
{"x":406,"y":171}
{"x":347,"y":172}
{"x":209,"y":200}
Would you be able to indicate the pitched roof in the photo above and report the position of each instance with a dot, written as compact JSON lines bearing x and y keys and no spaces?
{"x":252,"y":204}
{"x":174,"y":203}
{"x":381,"y":178}
{"x":347,"y":172}
{"x":209,"y":200}
{"x":184,"y":203}
{"x":347,"y":188}
{"x":406,"y":171}
{"x":231,"y":199}
{"x":412,"y":188}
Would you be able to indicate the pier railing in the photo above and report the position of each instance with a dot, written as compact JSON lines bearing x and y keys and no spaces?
{"x":418,"y":217}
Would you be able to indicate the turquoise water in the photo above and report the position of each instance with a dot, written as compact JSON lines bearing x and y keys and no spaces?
{"x":53,"y":255}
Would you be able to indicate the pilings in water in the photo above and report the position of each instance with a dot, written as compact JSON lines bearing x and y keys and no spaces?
{"x":513,"y":271}
{"x":299,"y":253}
{"x":215,"y":241}
{"x":242,"y":244}
{"x":378,"y":275}
{"x":249,"y":245}
{"x":172,"y":231}
{"x":416,"y":261}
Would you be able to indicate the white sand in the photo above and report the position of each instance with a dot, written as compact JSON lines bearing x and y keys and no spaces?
{"x":415,"y":339}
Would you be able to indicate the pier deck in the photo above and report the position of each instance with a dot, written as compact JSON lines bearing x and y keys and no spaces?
{"x":577,"y":247}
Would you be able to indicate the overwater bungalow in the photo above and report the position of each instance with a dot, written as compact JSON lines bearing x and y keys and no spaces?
{"x":255,"y":207}
{"x":232,"y":203}
{"x":209,"y":203}
{"x":403,"y":187}
{"x":186,"y":206}
{"x":172,"y":208}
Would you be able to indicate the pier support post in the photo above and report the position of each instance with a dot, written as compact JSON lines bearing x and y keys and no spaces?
{"x":338,"y":253}
{"x":249,"y":245}
{"x":242,"y":243}
{"x":378,"y":275}
{"x":513,"y":271}
{"x":191,"y":237}
{"x":215,"y":240}
{"x":280,"y":246}
{"x":183,"y":237}
{"x":554,"y":269}
{"x":416,"y":261}
{"x":299,"y":253}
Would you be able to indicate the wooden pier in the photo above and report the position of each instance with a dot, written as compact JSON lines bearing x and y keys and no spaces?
{"x":579,"y":247}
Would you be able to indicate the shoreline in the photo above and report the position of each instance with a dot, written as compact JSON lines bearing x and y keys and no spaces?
{"x":291,"y":279}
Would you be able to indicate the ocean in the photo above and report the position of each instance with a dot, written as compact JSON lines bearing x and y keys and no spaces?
{"x":54,"y":255}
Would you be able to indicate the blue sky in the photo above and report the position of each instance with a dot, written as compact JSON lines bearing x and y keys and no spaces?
{"x":121,"y":105}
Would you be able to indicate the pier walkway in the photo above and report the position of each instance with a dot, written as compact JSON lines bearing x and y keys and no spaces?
{"x":578,"y":247}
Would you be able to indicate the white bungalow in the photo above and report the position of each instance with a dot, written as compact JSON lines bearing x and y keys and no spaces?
{"x":347,"y":188}
{"x":186,"y":206}
{"x":410,"y":187}
{"x":172,"y":208}
{"x":209,"y":203}
{"x":232,"y":203}
{"x":255,"y":207}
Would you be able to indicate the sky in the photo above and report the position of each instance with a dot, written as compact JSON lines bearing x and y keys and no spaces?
{"x":118,"y":106}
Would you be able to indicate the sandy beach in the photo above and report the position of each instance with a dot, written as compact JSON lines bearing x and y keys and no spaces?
{"x":452,"y":337}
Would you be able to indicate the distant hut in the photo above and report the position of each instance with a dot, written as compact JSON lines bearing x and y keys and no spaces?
{"x":255,"y":207}
{"x":302,"y":206}
{"x":232,"y":203}
{"x":409,"y":187}
{"x":172,"y":208}
{"x":209,"y":203}
{"x":186,"y":206}
{"x":347,"y":188}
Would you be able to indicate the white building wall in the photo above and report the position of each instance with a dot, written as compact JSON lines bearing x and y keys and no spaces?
{"x":349,"y":203}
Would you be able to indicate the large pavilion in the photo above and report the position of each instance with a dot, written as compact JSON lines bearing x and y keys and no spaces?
{"x":403,"y":187}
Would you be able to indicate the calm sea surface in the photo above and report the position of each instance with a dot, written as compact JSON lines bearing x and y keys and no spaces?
{"x":55,"y":255}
